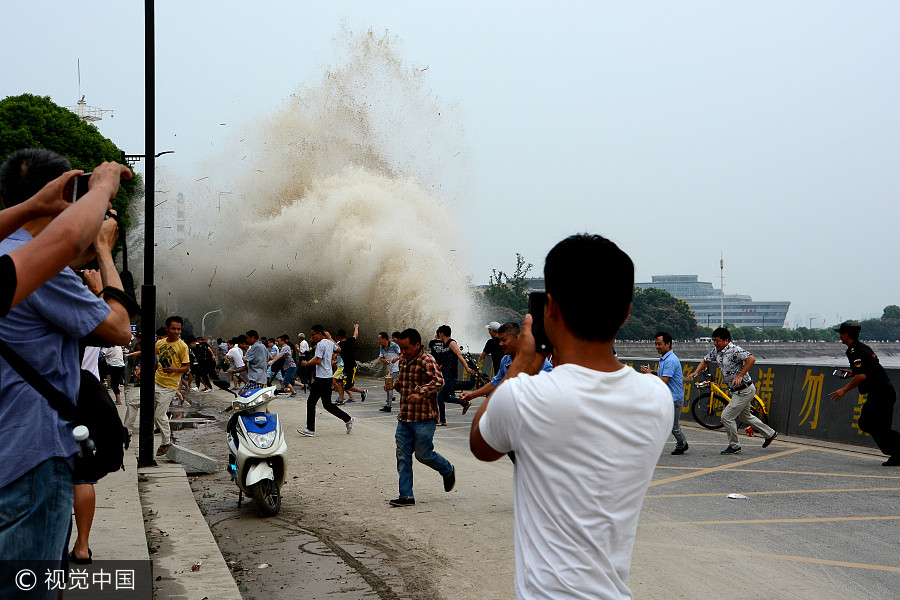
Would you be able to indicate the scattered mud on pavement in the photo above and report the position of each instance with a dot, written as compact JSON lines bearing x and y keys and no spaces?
{"x":312,"y":548}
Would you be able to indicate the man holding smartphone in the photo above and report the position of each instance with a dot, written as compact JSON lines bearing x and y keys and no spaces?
{"x":51,"y":310}
{"x":869,"y":376}
{"x":587,"y":435}
{"x":669,"y":371}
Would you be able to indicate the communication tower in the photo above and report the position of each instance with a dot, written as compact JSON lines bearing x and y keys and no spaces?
{"x":82,"y":110}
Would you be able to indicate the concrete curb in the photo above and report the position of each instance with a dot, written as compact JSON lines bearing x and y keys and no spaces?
{"x":140,"y":508}
{"x":117,"y":532}
{"x":176,"y":529}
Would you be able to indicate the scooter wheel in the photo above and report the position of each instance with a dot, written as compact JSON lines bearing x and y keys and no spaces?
{"x":267,"y":497}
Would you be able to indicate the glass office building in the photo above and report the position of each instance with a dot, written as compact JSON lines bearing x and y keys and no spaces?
{"x":707,"y":303}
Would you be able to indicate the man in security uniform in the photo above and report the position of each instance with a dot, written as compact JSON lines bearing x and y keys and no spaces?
{"x":877,"y":413}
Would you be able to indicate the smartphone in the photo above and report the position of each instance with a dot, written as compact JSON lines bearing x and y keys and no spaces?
{"x":80,"y":186}
{"x":536,"y":303}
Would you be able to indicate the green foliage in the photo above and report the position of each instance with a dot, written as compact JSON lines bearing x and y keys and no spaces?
{"x":30,"y":121}
{"x":887,"y":328}
{"x":655,"y":310}
{"x":755,"y":334}
{"x":891,"y":312}
{"x":509,"y":292}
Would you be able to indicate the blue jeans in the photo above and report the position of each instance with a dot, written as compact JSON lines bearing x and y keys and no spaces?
{"x":35,"y":513}
{"x":417,"y":437}
{"x":445,"y":394}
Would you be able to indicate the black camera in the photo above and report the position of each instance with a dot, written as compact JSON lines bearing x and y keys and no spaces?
{"x":80,"y":186}
{"x":536,"y":303}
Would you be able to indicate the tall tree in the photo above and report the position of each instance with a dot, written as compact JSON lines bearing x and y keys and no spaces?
{"x":29,"y":121}
{"x":509,"y":292}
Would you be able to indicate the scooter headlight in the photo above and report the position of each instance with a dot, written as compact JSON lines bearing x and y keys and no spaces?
{"x":263,"y":440}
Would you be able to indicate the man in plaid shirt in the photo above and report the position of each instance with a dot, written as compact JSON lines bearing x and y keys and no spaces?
{"x":418,"y":383}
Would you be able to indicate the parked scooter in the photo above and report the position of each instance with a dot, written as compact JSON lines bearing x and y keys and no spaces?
{"x":257,"y":452}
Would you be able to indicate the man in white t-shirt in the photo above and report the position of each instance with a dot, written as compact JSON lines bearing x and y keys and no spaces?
{"x":587,"y":435}
{"x":304,"y":373}
{"x":235,"y":356}
{"x":321,"y":385}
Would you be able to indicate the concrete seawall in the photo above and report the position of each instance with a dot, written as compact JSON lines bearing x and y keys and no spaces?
{"x":762,"y":351}
{"x":797,"y":398}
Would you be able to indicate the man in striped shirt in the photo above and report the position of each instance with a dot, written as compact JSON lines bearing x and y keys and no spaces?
{"x":418,"y":383}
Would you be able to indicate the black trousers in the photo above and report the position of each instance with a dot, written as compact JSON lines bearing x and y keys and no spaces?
{"x":876,"y":416}
{"x":321,"y":389}
{"x":115,"y":374}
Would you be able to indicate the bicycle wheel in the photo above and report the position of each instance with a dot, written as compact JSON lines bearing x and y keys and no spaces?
{"x":757,"y":409}
{"x":707,"y":415}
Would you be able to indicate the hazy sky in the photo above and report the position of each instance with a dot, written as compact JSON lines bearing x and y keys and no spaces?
{"x":767,"y":130}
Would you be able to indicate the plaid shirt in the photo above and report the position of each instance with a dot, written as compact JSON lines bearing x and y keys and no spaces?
{"x":423,"y":376}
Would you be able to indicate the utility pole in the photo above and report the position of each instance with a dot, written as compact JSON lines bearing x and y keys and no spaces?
{"x":148,"y":289}
{"x":722,"y":285}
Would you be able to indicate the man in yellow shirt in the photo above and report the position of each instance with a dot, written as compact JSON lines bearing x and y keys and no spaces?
{"x":174,"y":361}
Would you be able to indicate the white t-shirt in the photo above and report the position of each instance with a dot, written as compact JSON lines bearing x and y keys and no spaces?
{"x":90,"y":360}
{"x":236,"y":356}
{"x":303,"y":346}
{"x":586,"y":445}
{"x":324,"y":350}
{"x":114,"y":356}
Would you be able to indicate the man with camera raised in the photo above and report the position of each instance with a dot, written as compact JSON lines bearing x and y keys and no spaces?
{"x":38,"y":445}
{"x":587,"y":435}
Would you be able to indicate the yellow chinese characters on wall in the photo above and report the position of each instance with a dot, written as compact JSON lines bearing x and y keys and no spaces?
{"x":765,"y":386}
{"x":812,"y":385}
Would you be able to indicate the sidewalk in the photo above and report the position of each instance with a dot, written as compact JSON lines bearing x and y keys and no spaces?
{"x":150,"y":513}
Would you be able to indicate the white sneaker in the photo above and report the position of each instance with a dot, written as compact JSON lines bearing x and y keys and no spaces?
{"x":308,"y":433}
{"x":209,"y":390}
{"x":350,"y":424}
{"x":195,"y":389}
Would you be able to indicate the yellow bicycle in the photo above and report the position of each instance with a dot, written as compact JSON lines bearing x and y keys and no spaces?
{"x":711,"y":400}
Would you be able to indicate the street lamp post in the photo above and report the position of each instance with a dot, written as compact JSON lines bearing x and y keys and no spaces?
{"x":203,"y":323}
{"x":148,"y":289}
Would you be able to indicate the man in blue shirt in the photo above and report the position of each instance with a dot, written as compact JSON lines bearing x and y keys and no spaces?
{"x":256,"y":360}
{"x":669,"y":370}
{"x":389,"y":355}
{"x":508,"y":334}
{"x":36,"y":490}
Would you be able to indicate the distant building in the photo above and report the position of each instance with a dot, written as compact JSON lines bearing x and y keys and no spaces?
{"x":706,"y":302}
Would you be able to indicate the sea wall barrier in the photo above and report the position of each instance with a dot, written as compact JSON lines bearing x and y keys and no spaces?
{"x":795,"y":394}
{"x":775,"y":351}
{"x":797,"y":398}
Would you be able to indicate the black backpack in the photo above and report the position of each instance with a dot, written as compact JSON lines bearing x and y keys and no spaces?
{"x":95,"y":410}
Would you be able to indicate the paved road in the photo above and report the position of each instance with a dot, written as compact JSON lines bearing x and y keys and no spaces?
{"x":818,"y":519}
{"x":819,"y":522}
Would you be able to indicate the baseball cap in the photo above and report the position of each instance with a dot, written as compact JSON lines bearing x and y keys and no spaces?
{"x":849,"y":327}
{"x":493,"y":326}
